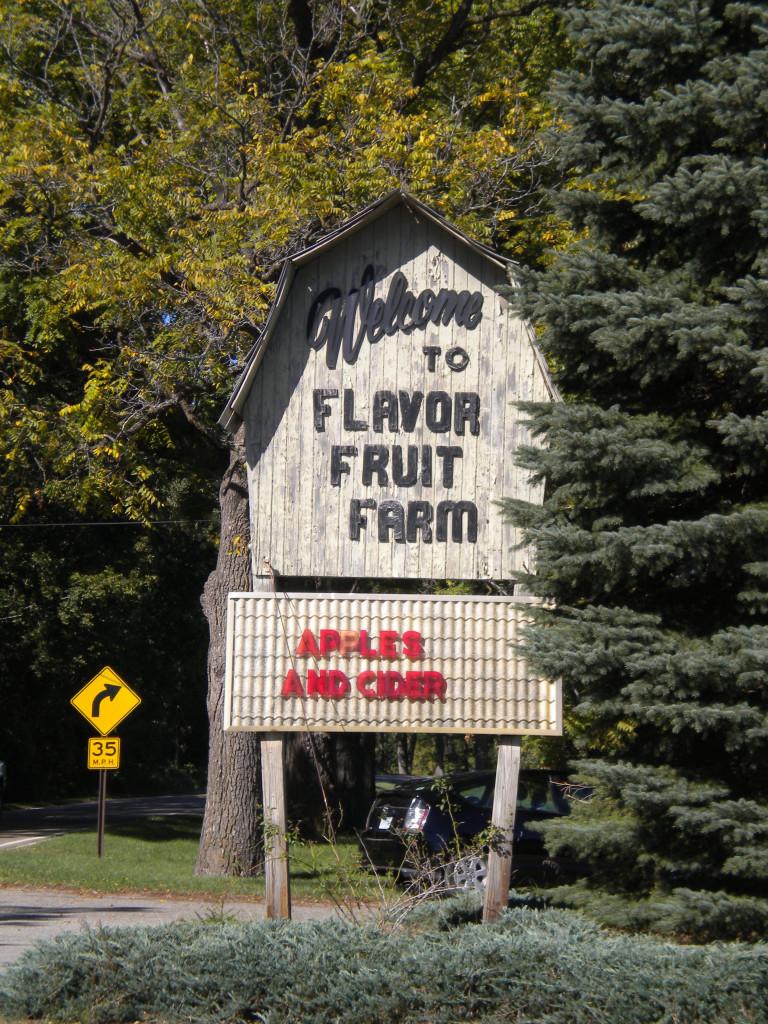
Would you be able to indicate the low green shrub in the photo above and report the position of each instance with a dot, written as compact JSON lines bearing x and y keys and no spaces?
{"x":537,"y":967}
{"x":686,"y":914}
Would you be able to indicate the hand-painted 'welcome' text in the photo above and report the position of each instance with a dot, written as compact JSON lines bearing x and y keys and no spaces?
{"x":343,"y":322}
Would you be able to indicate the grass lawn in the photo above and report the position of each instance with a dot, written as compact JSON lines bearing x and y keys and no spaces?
{"x":158,"y":855}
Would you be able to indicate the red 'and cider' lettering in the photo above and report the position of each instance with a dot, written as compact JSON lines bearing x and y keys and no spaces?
{"x":333,"y":684}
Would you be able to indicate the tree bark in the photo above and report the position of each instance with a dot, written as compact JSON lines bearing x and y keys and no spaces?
{"x":231,"y":842}
{"x":449,"y":42}
{"x":355,"y":776}
{"x":310,"y":784}
{"x":406,"y":744}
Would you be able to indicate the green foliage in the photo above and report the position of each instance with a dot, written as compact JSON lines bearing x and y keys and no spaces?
{"x":696,"y":915}
{"x":653,"y":534}
{"x":544,"y":967}
{"x":157,"y":855}
{"x":158,"y":161}
{"x":75,"y":599}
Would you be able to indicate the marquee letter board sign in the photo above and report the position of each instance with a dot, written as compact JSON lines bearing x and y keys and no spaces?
{"x":379,"y":406}
{"x":382,"y":663}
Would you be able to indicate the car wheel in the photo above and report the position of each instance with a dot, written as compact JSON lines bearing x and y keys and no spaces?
{"x":468,"y":874}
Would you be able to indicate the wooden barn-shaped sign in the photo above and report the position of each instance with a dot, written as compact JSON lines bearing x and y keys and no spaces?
{"x":380,"y":405}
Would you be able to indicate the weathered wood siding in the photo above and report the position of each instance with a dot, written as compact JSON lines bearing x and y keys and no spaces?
{"x":300,"y":521}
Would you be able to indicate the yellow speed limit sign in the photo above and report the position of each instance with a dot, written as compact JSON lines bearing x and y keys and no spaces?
{"x":104,"y":752}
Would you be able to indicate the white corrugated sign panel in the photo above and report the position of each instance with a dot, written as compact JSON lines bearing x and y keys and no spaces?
{"x":383,"y":663}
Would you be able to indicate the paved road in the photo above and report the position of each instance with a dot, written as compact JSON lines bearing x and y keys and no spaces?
{"x":29,"y":915}
{"x":22,"y":827}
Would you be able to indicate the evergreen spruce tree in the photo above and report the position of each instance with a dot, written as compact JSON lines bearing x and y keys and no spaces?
{"x":653,"y":540}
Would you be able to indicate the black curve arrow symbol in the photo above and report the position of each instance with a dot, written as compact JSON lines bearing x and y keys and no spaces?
{"x":111,"y":691}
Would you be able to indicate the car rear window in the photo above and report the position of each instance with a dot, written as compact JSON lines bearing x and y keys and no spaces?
{"x":479,"y":794}
{"x":538,"y":797}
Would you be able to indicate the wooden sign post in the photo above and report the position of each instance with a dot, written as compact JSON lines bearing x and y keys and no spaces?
{"x":277,"y":887}
{"x":381,"y":424}
{"x":503,"y":821}
{"x":276,"y":875}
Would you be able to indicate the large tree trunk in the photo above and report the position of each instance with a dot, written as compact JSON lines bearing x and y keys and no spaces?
{"x":309,"y":782}
{"x":405,"y":746}
{"x":355,"y":776}
{"x":232,"y":841}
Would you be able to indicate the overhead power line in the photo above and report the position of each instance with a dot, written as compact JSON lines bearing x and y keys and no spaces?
{"x":107,"y":522}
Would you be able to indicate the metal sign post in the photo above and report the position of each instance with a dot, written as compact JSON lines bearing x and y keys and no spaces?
{"x":101,"y":813}
{"x":103,"y":756}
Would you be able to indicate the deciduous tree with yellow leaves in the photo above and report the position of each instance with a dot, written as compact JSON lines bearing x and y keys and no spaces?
{"x":159,"y":160}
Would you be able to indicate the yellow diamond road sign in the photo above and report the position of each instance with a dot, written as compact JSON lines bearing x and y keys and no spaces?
{"x":105,"y":701}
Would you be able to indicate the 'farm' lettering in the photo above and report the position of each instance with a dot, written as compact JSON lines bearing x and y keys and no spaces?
{"x":405,"y":524}
{"x":343,"y":322}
